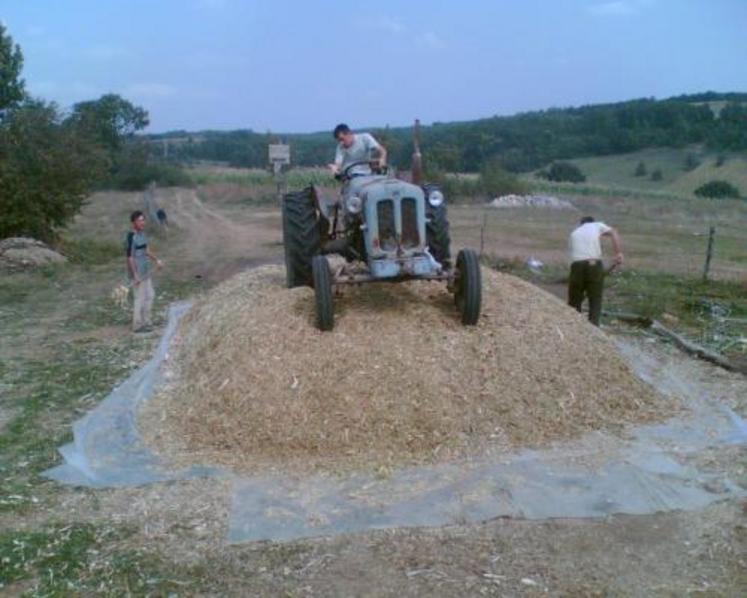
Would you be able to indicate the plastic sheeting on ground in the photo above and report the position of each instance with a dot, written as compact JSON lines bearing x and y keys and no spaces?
{"x":653,"y":469}
{"x":107,"y":449}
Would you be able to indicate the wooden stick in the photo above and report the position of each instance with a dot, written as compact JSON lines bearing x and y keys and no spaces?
{"x":682,"y":343}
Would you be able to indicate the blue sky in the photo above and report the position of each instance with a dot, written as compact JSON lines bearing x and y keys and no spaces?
{"x":290,"y":66}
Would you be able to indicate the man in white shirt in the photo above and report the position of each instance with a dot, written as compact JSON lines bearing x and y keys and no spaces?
{"x":587,"y":270}
{"x":355,"y":148}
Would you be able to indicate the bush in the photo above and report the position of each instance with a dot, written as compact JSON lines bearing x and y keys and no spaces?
{"x":640,"y":170}
{"x":691,"y":163}
{"x":656,"y":175}
{"x":134,"y":170}
{"x":717,"y":189}
{"x":164,"y":175}
{"x":496,"y":181}
{"x":720,"y":160}
{"x":46,"y":171}
{"x":560,"y":172}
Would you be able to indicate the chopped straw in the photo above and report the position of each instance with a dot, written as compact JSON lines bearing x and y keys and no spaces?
{"x":255,"y":386}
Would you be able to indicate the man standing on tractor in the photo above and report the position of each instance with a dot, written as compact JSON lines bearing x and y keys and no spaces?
{"x":587,"y":270}
{"x":354,"y":152}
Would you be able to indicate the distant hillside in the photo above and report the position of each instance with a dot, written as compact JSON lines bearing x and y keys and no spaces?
{"x":682,"y":170}
{"x":521,"y":143}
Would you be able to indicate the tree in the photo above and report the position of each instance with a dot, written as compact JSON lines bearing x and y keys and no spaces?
{"x":656,"y":175}
{"x":46,"y":171}
{"x":11,"y":62}
{"x":111,"y":120}
{"x":496,"y":181}
{"x":717,"y":189}
{"x":565,"y":171}
{"x":640,"y":170}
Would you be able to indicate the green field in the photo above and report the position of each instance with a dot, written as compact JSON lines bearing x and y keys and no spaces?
{"x":618,"y":171}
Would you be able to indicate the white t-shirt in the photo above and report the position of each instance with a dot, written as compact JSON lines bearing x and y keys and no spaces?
{"x":584,"y":243}
{"x":359,"y":151}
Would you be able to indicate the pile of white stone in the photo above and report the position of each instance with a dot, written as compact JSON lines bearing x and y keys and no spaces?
{"x":23,"y":253}
{"x":531,"y":201}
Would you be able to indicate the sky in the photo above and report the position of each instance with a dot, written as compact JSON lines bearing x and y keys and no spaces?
{"x":300,"y":66}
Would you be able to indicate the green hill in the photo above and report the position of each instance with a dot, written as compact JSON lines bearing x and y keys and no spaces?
{"x":619,"y":170}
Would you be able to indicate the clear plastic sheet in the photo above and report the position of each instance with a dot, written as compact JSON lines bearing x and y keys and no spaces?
{"x":107,"y":449}
{"x":653,"y":469}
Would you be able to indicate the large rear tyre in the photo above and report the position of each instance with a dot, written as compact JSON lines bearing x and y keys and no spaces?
{"x":437,"y":234}
{"x":468,"y":287}
{"x":325,"y":317}
{"x":301,"y":237}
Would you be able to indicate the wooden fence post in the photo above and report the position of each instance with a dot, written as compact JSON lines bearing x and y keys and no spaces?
{"x":709,"y":253}
{"x":482,"y":232}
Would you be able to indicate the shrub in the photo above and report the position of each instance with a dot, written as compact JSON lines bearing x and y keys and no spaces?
{"x":565,"y":172}
{"x":640,"y":170}
{"x":691,"y":162}
{"x":720,"y":160}
{"x":717,"y":189}
{"x":496,"y":181}
{"x":656,"y":175}
{"x":46,"y":171}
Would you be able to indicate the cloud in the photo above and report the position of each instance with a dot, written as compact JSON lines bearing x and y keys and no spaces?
{"x":36,"y":31}
{"x":106,"y":52}
{"x":615,"y":8}
{"x":150,"y":90}
{"x":430,"y":41}
{"x":212,"y":4}
{"x":69,"y":91}
{"x":388,"y":25}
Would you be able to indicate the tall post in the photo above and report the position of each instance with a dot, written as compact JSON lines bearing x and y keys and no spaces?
{"x":709,"y":253}
{"x":417,"y":158}
{"x":482,"y":231}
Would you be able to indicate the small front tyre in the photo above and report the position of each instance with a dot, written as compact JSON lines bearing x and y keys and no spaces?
{"x":468,"y":287}
{"x":325,"y":318}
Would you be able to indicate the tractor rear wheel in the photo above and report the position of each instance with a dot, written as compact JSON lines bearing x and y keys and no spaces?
{"x":325,"y":317}
{"x":437,"y":234}
{"x":468,"y":287}
{"x":301,"y":237}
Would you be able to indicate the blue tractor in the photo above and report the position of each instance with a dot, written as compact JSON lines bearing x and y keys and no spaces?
{"x":387,"y":229}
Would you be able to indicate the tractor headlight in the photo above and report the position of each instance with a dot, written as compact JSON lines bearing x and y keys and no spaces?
{"x":435,"y":198}
{"x":355,"y":204}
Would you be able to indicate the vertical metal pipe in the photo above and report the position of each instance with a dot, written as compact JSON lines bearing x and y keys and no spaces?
{"x":417,"y":159}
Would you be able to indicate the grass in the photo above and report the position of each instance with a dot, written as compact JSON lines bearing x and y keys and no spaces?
{"x":252,"y":177}
{"x":713,"y":313}
{"x":616,"y":173}
{"x":83,"y":559}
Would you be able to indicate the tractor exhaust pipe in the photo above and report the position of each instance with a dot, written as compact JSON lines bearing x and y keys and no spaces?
{"x":417,"y":158}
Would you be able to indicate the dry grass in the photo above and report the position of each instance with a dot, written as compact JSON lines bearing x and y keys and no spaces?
{"x":256,"y":386}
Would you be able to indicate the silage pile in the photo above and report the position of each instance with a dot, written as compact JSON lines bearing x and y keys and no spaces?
{"x":531,"y":201}
{"x":25,"y":253}
{"x":254,"y":385}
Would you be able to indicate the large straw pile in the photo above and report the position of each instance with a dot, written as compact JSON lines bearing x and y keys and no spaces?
{"x":254,"y":385}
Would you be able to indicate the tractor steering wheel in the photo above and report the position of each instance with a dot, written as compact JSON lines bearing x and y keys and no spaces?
{"x":345,"y":174}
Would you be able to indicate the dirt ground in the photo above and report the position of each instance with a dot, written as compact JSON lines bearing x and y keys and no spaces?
{"x":214,"y":234}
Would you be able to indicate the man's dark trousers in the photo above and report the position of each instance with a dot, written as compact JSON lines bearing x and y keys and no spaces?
{"x":587,"y":278}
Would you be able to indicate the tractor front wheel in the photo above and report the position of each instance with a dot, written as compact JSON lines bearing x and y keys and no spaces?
{"x":325,"y":317}
{"x":468,"y":287}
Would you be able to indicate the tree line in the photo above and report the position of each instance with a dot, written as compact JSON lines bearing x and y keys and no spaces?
{"x":51,"y":160}
{"x":519,"y":143}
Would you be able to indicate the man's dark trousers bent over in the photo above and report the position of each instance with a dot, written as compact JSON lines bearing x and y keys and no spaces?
{"x":587,"y":279}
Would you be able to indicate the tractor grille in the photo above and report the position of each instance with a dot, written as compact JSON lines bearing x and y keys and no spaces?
{"x":387,"y":229}
{"x":409,"y":223}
